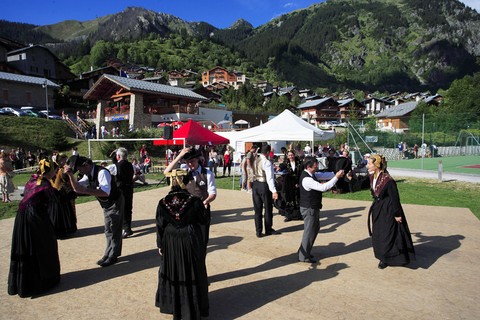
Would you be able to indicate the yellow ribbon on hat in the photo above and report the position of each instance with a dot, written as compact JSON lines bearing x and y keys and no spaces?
{"x":176,"y":177}
{"x":44,"y":166}
{"x":379,"y":161}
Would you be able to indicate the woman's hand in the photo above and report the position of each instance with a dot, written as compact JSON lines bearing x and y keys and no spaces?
{"x":398,"y":219}
{"x":160,"y":251}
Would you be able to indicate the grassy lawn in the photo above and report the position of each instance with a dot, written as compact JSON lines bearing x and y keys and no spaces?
{"x":450,"y":164}
{"x":412,"y":191}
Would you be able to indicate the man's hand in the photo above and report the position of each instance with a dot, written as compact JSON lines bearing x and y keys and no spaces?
{"x":185,"y":151}
{"x":275,"y":195}
{"x":339,"y":174}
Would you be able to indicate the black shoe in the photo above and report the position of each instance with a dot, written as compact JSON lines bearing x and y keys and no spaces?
{"x":127,"y":233}
{"x":268,"y":233}
{"x":259,"y":235}
{"x":99,"y":262}
{"x":109,"y":262}
{"x":287,"y":219}
{"x":382,"y":265}
{"x":309,"y":260}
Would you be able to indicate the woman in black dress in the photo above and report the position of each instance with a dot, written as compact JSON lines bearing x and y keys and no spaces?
{"x":388,"y":227}
{"x":62,"y":212}
{"x":34,"y":262}
{"x":292,"y":189}
{"x":182,"y":277}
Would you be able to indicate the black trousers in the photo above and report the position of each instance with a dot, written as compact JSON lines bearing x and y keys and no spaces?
{"x":126,"y":206}
{"x":262,"y":199}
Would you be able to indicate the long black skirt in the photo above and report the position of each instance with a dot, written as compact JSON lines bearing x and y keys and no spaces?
{"x":63,"y":217}
{"x":182,"y":277}
{"x":34,"y":261}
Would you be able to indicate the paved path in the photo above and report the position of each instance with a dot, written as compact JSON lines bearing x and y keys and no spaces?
{"x":255,"y":278}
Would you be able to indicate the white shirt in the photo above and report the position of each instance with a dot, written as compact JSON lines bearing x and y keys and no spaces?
{"x":310,"y":184}
{"x":103,"y":180}
{"x":269,"y":173}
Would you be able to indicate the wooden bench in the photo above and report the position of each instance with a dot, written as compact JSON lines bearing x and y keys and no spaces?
{"x":157,"y":168}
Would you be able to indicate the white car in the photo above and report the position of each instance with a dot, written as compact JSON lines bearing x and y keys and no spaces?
{"x":15,"y":111}
{"x":51,"y":115}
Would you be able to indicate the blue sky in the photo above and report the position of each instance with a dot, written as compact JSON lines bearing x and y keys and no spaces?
{"x":220,"y":14}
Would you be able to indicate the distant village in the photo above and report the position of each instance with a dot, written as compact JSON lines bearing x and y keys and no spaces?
{"x":30,"y":77}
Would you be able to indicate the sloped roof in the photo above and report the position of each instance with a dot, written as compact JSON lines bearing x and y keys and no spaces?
{"x":398,"y":111}
{"x":315,"y":103}
{"x":108,"y":84}
{"x":26,"y":79}
{"x":284,"y":127}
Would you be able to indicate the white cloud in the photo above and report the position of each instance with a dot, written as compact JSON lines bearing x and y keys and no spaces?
{"x":475,"y":4}
{"x":289,"y":4}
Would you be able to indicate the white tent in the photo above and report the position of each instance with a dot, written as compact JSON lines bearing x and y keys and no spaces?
{"x":284,"y":127}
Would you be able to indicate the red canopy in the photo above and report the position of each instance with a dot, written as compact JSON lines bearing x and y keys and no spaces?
{"x":194,"y":134}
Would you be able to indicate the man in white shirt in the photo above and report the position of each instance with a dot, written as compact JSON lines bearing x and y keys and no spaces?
{"x":311,"y":203}
{"x":97,"y":181}
{"x":264,"y":192}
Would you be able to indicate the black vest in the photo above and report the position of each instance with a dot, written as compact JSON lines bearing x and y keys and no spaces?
{"x":124,"y":178}
{"x":105,"y":202}
{"x":196,"y":187}
{"x":309,"y":199}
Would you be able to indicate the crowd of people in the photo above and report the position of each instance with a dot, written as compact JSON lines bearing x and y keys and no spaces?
{"x":183,"y":216}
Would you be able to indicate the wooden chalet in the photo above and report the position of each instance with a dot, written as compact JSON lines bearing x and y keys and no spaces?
{"x":320,"y":110}
{"x":139,"y":102}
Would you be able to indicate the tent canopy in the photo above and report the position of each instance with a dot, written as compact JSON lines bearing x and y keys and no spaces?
{"x":194,"y":134}
{"x":284,"y":127}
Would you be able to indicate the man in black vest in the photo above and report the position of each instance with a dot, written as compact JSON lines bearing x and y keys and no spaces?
{"x":264,"y":192}
{"x":311,"y":203}
{"x":97,"y":181}
{"x":124,"y":180}
{"x":200,"y":181}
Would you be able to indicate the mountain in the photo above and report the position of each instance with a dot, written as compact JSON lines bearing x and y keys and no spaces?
{"x":369,"y":43}
{"x":338,"y":44}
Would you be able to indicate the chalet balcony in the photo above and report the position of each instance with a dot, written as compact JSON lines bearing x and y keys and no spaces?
{"x":116,"y":111}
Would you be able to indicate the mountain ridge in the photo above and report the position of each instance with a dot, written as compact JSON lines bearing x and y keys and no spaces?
{"x":341,"y":43}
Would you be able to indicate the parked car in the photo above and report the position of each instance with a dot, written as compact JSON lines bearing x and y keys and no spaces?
{"x":6,"y":113}
{"x":51,"y":115}
{"x":15,"y":111}
{"x":35,"y":114}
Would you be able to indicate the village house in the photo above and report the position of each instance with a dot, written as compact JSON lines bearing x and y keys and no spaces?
{"x":20,"y":91}
{"x":319,"y":110}
{"x":219,"y":75}
{"x":38,"y":61}
{"x":375,"y":105}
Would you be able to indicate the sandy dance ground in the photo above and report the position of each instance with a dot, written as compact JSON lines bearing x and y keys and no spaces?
{"x":252,"y":278}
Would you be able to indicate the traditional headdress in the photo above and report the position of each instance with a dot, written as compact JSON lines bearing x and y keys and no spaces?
{"x":379,"y":161}
{"x":44,"y":166}
{"x":176,"y":178}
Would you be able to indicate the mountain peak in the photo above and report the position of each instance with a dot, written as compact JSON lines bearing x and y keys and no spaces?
{"x":241,"y":23}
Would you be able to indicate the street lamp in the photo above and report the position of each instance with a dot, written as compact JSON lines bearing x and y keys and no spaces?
{"x":44,"y":85}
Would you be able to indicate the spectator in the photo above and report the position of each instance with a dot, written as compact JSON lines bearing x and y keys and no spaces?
{"x":147,"y":163}
{"x":6,"y":182}
{"x":137,"y":172}
{"x":227,"y":161}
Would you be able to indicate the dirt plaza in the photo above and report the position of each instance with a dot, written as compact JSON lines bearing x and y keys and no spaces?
{"x":252,"y":278}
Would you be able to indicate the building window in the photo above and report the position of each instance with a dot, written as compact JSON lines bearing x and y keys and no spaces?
{"x":29,"y":97}
{"x":5,"y":95}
